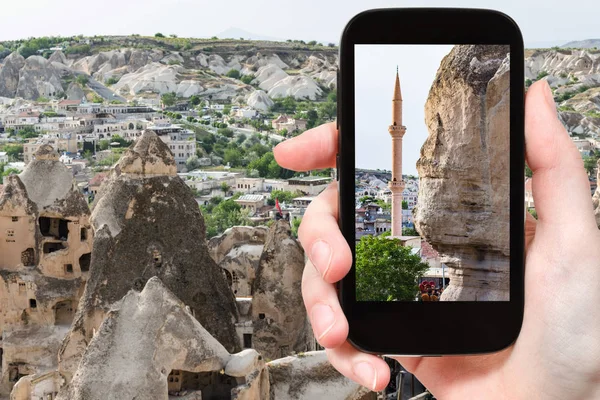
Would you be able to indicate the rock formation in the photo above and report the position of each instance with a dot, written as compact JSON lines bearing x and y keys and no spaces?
{"x":238,"y":251}
{"x":279,"y":318}
{"x":462,"y":209}
{"x":9,"y":74}
{"x":147,"y":224}
{"x":45,"y":251}
{"x":310,"y":376}
{"x":151,"y":345}
{"x":39,"y":77}
{"x":259,"y":100}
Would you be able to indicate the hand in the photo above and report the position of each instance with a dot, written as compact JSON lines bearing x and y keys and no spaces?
{"x":557,"y":354}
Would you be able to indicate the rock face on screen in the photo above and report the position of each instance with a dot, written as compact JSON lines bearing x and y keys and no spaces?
{"x":463,"y":203}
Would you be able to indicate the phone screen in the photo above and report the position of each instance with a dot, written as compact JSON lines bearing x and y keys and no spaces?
{"x":432,"y":158}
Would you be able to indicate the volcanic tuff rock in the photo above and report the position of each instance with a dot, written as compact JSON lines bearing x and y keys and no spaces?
{"x":43,"y":261}
{"x":9,"y":74}
{"x":462,"y":209}
{"x":148,"y":224}
{"x":310,"y":376}
{"x":144,"y":337}
{"x":40,"y":77}
{"x":278,"y":314}
{"x":259,"y":100}
{"x":238,"y":251}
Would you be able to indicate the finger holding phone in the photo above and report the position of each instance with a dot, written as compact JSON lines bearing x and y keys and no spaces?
{"x":558,"y":346}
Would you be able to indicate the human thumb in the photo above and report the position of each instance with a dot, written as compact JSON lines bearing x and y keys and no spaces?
{"x":561,"y":190}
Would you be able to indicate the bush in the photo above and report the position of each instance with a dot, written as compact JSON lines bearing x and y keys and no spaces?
{"x":247,"y":79}
{"x":541,"y":75}
{"x":112,"y":80}
{"x":82,"y":80}
{"x":159,"y":35}
{"x":233,"y":73}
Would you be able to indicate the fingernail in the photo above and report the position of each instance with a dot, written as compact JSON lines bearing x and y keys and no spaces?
{"x":549,"y":97}
{"x":320,"y":256}
{"x":366,"y":374}
{"x":322,"y":319}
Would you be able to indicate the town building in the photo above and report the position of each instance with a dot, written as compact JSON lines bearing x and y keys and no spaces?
{"x":3,"y":157}
{"x":289,"y":123}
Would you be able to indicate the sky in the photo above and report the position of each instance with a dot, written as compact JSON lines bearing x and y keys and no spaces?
{"x":546,"y":21}
{"x":375,"y":77}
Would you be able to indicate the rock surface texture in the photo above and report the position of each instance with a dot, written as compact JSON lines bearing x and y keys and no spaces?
{"x":145,"y":337}
{"x":310,"y":376}
{"x":280,"y":322}
{"x":147,"y":224}
{"x":463,"y":209}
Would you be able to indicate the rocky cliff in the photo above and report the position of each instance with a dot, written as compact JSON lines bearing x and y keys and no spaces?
{"x":149,"y":67}
{"x":574,"y":76}
{"x":462,"y":209}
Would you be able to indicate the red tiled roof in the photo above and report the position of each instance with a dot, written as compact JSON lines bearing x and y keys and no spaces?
{"x":69,"y":102}
{"x":427,"y":251}
{"x":29,"y":114}
{"x":98,"y":179}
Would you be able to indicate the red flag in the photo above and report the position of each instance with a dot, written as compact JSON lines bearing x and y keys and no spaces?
{"x":278,"y":206}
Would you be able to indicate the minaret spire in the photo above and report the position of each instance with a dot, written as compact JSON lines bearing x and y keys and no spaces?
{"x":397,"y":131}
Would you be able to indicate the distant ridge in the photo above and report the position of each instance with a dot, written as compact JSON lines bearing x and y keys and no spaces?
{"x":583,"y":44}
{"x":236,"y":33}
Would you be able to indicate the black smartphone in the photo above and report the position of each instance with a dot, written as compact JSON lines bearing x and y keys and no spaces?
{"x":431,"y":180}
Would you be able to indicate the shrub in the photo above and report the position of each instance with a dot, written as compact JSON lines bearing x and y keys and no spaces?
{"x":233,"y":73}
{"x":159,"y":35}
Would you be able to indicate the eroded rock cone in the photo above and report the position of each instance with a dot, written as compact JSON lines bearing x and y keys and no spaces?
{"x":148,"y":224}
{"x":151,"y":335}
{"x":463,"y":206}
{"x":279,"y":318}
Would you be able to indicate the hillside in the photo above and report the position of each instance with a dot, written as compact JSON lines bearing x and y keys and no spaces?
{"x":143,"y":68}
{"x":574,"y":75}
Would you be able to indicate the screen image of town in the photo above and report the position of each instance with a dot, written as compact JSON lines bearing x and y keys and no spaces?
{"x":432,"y":130}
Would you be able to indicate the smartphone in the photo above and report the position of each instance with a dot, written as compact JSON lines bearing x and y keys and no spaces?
{"x":431,"y":180}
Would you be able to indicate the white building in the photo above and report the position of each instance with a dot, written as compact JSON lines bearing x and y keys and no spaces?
{"x":3,"y":157}
{"x":245,"y":113}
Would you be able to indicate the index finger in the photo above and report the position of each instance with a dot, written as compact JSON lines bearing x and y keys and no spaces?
{"x":314,"y":149}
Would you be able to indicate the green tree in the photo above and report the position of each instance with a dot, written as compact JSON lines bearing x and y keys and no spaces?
{"x":404,"y":205}
{"x":386,"y":270}
{"x":528,"y":171}
{"x":590,"y":163}
{"x":225,"y":132}
{"x":283,"y":196}
{"x":192,"y":163}
{"x":159,"y":35}
{"x":225,"y":187}
{"x":247,"y":79}
{"x":233,"y":73}
{"x":169,"y":99}
{"x":4,"y":171}
{"x":103,"y":144}
{"x":233,"y":156}
{"x":112,"y":80}
{"x":295,"y":225}
{"x":14,"y":151}
{"x":82,"y":79}
{"x":224,"y":215}
{"x":409,"y":232}
{"x":195,"y":100}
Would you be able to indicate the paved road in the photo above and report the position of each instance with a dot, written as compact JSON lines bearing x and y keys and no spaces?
{"x":104,"y":92}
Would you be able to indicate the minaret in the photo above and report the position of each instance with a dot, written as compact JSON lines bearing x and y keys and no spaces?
{"x":397,"y":184}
